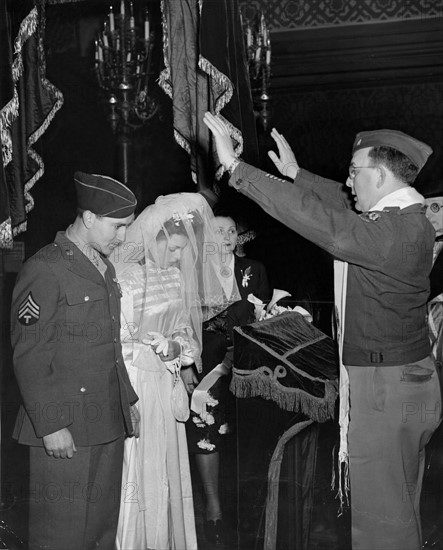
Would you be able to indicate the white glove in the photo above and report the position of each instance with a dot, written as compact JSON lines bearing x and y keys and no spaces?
{"x":165,"y":348}
{"x":201,"y":397}
{"x":157,"y":341}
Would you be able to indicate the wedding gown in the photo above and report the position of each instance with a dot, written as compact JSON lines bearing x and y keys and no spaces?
{"x":157,"y":510}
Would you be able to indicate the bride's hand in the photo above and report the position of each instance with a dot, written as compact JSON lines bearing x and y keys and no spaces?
{"x":189,"y":378}
{"x":166,"y":349}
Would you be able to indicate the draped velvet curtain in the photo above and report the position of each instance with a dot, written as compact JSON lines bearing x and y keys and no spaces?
{"x":28,"y":103}
{"x":205,"y":69}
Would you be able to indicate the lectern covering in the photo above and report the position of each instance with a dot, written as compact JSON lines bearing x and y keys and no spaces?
{"x":288,"y":360}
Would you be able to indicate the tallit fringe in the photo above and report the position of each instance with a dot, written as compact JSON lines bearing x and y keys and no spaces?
{"x":260,"y":383}
{"x":343,"y":482}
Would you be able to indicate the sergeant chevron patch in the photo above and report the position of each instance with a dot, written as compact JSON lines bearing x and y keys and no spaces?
{"x":28,"y":311}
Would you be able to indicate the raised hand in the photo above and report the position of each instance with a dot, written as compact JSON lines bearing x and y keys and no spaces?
{"x":59,"y":444}
{"x":286,"y":164}
{"x":223,"y":142}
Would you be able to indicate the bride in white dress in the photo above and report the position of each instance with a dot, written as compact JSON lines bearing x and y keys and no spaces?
{"x":166,"y":273}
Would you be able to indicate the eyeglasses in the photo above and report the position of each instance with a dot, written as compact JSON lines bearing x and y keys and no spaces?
{"x":353,"y":173}
{"x":434,"y":207}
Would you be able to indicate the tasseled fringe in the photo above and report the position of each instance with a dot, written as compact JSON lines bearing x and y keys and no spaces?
{"x":6,"y":234}
{"x":224,"y":94}
{"x":226,"y":88}
{"x":260,"y":383}
{"x":11,"y":111}
{"x":7,"y":115}
{"x":20,"y":228}
{"x":49,"y":118}
{"x":164,"y":80}
{"x":27,"y":28}
{"x":182,"y":141}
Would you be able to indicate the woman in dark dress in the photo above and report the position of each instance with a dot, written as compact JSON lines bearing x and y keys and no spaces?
{"x":207,"y":427}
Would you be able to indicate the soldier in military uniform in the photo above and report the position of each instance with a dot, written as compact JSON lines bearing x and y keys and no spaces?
{"x":77,"y":398}
{"x":383,"y":258}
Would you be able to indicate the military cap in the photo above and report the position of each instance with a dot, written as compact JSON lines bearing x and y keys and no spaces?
{"x":104,"y":196}
{"x":416,"y":151}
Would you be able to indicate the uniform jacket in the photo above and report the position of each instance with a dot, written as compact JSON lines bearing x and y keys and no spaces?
{"x":67,"y":351}
{"x":389,"y":254}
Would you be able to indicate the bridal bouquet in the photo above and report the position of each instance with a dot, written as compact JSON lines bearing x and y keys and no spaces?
{"x":263,"y":311}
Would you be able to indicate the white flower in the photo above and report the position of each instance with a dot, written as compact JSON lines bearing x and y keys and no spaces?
{"x":224,"y":429}
{"x":206,"y":444}
{"x":273,"y":309}
{"x":211,"y":402}
{"x":246,"y":276}
{"x":179,"y":217}
{"x":198,"y":422}
{"x":209,"y":419}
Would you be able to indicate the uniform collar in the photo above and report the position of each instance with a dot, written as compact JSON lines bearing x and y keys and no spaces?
{"x":78,"y":262}
{"x":402,"y":198}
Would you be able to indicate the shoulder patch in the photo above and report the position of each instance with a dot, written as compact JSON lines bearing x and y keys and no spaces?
{"x":28,"y":311}
{"x":370,"y":216}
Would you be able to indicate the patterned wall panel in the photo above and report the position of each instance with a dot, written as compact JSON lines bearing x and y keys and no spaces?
{"x":321,"y":126}
{"x":294,"y":14}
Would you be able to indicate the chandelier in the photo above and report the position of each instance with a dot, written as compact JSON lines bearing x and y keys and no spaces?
{"x":123,"y":65}
{"x":258,"y":53}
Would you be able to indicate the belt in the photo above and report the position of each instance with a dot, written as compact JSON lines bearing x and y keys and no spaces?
{"x":387,"y":358}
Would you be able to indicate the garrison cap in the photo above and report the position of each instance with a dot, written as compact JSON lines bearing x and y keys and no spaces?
{"x":416,"y":151}
{"x":104,"y":196}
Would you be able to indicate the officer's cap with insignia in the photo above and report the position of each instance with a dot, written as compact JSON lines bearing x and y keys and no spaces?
{"x":417,"y":151}
{"x":104,"y":196}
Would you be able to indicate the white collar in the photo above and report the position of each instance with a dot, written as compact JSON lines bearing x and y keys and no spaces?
{"x":406,"y":196}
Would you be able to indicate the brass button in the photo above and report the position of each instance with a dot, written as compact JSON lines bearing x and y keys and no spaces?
{"x":82,"y":389}
{"x":86,"y":298}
